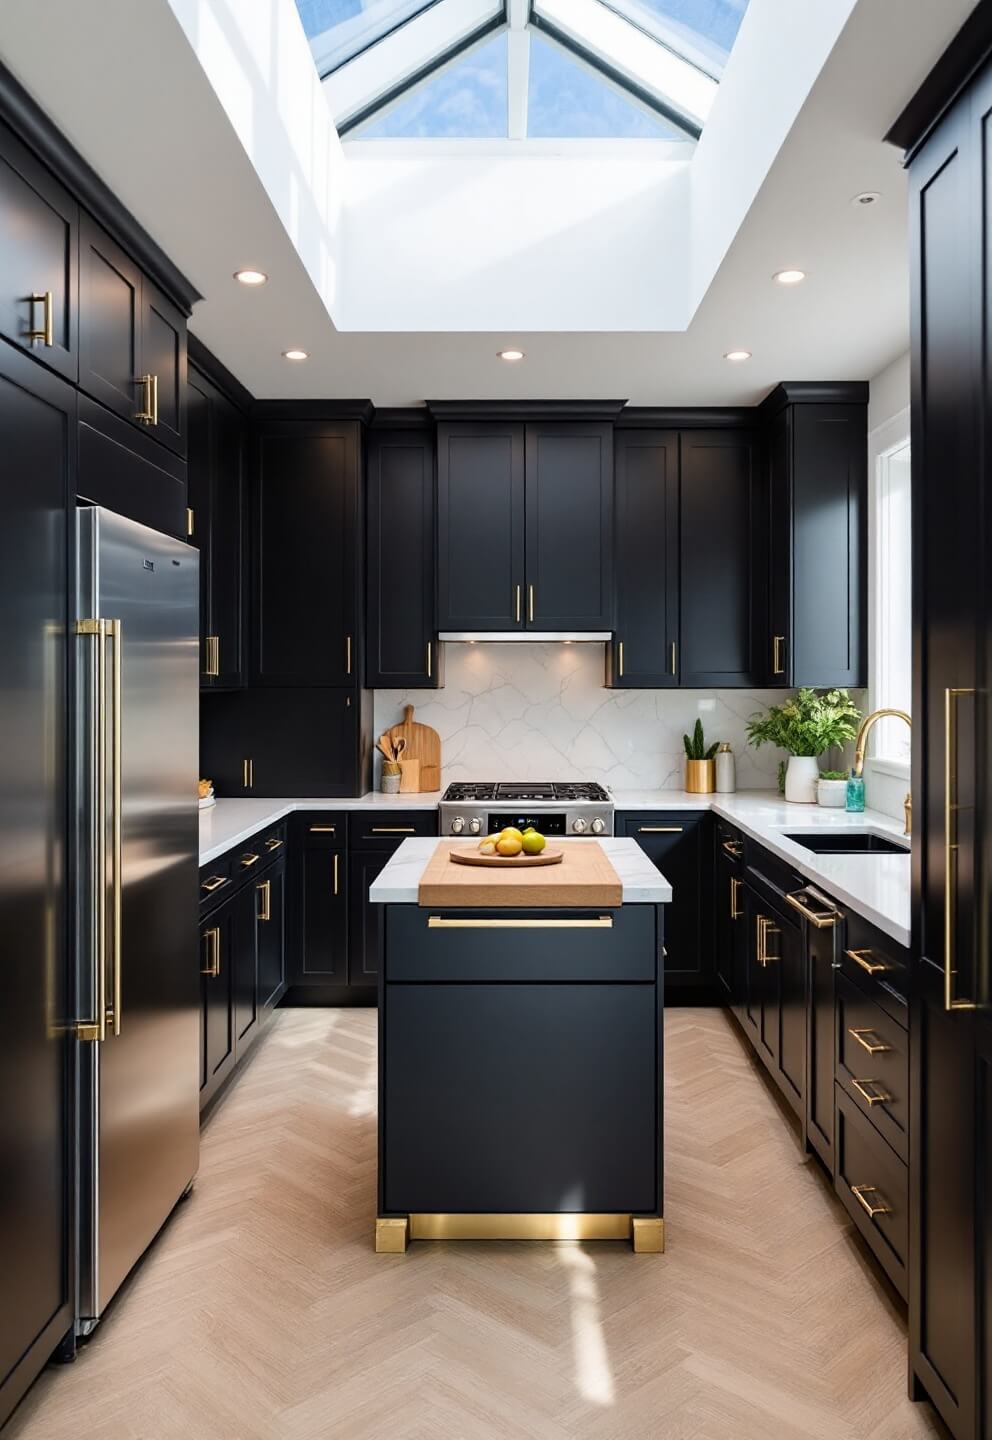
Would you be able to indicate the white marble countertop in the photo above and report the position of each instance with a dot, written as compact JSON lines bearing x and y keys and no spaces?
{"x":876,"y":886}
{"x":399,"y":881}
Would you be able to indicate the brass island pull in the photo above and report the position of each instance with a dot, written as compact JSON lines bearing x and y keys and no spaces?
{"x":439,"y":922}
{"x":659,"y":829}
{"x":393,"y":830}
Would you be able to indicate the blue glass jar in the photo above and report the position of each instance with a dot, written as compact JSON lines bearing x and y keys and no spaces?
{"x":855,"y":793}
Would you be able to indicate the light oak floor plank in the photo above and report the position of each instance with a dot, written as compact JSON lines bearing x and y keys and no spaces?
{"x":262,"y":1313}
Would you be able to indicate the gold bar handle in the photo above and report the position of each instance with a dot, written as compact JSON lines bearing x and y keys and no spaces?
{"x":393,"y":830}
{"x":735,"y":885}
{"x":821,"y":921}
{"x":264,"y":891}
{"x":212,"y":643}
{"x":438,"y":922}
{"x":777,"y":667}
{"x":212,"y":940}
{"x":273,"y":844}
{"x":322,"y":829}
{"x":96,"y":1029}
{"x":660,"y":829}
{"x":870,"y":1208}
{"x":248,"y":774}
{"x":734,"y":848}
{"x":336,"y":873}
{"x":878,"y":1097}
{"x":248,"y":860}
{"x":869,"y":1041}
{"x":862,"y":958}
{"x":769,"y":928}
{"x":47,"y":332}
{"x":190,"y":522}
{"x":674,"y":656}
{"x":951,"y":1002}
{"x":347,"y":654}
{"x":620,"y":659}
{"x":145,"y":415}
{"x":518,"y":604}
{"x":530,"y":604}
{"x":115,"y":630}
{"x":154,"y":380}
{"x":429,"y":648}
{"x":213,"y":883}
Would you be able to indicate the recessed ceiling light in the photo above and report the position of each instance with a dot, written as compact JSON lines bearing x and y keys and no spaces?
{"x":251,"y":277}
{"x":295,"y":355}
{"x":737,"y":355}
{"x":790,"y":277}
{"x":866,"y":197}
{"x":510,"y":354}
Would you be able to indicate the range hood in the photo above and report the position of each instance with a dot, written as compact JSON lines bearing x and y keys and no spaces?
{"x":572,"y":637}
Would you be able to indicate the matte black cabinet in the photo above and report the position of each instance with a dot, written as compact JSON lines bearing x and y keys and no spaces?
{"x":821,"y":1041}
{"x":818,"y":565}
{"x":373,"y":837}
{"x":270,"y":931}
{"x":39,"y":259}
{"x":215,"y":490}
{"x":680,"y":846}
{"x":401,"y":636}
{"x":645,"y":645}
{"x":132,"y":340}
{"x":723,"y":558}
{"x":269,"y":742}
{"x":321,"y":889}
{"x":774,"y":1011}
{"x":480,"y":527}
{"x":305,"y":528}
{"x":124,"y":469}
{"x":569,"y":527}
{"x":730,"y":928}
{"x":221,"y":935}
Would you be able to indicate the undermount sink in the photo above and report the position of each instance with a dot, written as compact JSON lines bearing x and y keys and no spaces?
{"x":846,"y":842}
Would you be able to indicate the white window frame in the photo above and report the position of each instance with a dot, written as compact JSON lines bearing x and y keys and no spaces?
{"x":887,"y":439}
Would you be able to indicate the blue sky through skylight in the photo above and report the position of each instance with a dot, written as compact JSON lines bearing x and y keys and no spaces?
{"x":568,"y":100}
{"x":465,"y":100}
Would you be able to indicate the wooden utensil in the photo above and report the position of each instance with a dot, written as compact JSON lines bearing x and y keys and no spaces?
{"x":421,"y":743}
{"x":409,"y":777}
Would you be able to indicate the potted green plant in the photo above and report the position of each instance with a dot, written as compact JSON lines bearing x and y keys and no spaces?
{"x":831,"y":789}
{"x":700,"y":765}
{"x":805,"y":725}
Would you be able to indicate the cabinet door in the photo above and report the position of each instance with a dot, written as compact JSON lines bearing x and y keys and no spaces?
{"x":286,"y":742}
{"x":109,"y":323}
{"x":480,"y":527}
{"x":163,"y":357}
{"x":645,"y":646}
{"x":363,"y":916}
{"x":323,"y":915}
{"x":778,"y":649}
{"x":215,"y":443}
{"x":39,"y":255}
{"x":821,"y":1043}
{"x":218,"y":952}
{"x":723,"y":559}
{"x":120,"y":467}
{"x":752,"y":1014}
{"x":729,"y":928}
{"x":199,"y":464}
{"x":270,"y":912}
{"x":680,"y":847}
{"x":305,"y":537}
{"x":787,"y":951}
{"x":569,"y":544}
{"x":401,"y":644}
{"x":246,"y":1013}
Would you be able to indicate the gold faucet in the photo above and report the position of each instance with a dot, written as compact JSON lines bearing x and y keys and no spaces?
{"x":859,"y":754}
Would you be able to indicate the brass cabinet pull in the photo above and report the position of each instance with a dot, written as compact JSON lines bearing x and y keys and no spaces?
{"x":438,"y":922}
{"x":518,"y":604}
{"x":869,"y":1041}
{"x":47,"y":332}
{"x":148,"y":414}
{"x":951,"y":1002}
{"x":212,"y":643}
{"x":530,"y":603}
{"x":190,"y":522}
{"x":273,"y":844}
{"x":213,"y":883}
{"x":660,"y":829}
{"x":248,"y":774}
{"x":674,"y":655}
{"x":861,"y":957}
{"x":822,"y":920}
{"x":429,"y":659}
{"x":154,"y":380}
{"x":322,"y":829}
{"x":264,"y":891}
{"x":878,"y":1097}
{"x":870,"y":1208}
{"x":393,"y":830}
{"x":735,"y":885}
{"x":777,"y":667}
{"x":347,"y":654}
{"x":248,"y":860}
{"x":734,"y":848}
{"x":769,"y":928}
{"x":336,"y":874}
{"x":212,"y":939}
{"x":620,"y":659}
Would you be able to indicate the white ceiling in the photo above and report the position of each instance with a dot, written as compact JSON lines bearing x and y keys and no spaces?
{"x":157,"y":134}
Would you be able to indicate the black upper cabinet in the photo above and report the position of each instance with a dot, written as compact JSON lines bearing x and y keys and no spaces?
{"x":480,"y":527}
{"x":125,"y":470}
{"x":401,"y":640}
{"x":305,"y":543}
{"x":645,"y":648}
{"x":722,"y":559}
{"x":818,"y":568}
{"x":132,"y":340}
{"x":39,"y":249}
{"x":268,"y":742}
{"x":569,"y":530}
{"x":216,"y":498}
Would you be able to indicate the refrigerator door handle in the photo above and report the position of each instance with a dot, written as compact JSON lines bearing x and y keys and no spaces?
{"x":115,"y":629}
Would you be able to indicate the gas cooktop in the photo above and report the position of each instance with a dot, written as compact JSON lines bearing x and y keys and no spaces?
{"x":572,"y":791}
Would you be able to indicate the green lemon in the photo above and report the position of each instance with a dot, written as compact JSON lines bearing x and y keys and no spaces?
{"x":533,"y":843}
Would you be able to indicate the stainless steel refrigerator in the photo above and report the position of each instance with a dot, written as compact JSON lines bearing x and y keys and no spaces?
{"x":137,"y":683}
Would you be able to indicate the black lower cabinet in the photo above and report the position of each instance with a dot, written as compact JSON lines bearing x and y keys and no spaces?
{"x":218,"y":948}
{"x":679,"y":844}
{"x":820,"y":1041}
{"x":319,"y":967}
{"x":363,"y":916}
{"x":270,"y":922}
{"x":873,"y":1186}
{"x":730,"y":933}
{"x":773,"y":1006}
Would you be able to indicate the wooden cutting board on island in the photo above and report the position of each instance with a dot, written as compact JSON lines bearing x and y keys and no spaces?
{"x":584,"y":879}
{"x":423,"y":744}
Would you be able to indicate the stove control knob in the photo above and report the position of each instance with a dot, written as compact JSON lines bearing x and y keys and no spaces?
{"x":598,"y":826}
{"x":579,"y":826}
{"x":457,"y":825}
{"x":475,"y":825}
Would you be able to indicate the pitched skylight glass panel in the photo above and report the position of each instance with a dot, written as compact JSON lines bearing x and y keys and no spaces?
{"x":338,"y":30}
{"x":569,"y":100}
{"x":703,"y":31}
{"x":467,"y":99}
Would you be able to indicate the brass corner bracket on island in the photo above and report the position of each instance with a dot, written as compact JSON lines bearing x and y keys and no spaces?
{"x":646,"y":1233}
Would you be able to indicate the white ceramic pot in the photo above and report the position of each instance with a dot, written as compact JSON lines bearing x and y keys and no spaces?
{"x":831,"y":794}
{"x":801,"y":776}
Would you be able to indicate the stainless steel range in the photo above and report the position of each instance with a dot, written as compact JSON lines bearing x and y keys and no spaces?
{"x":570,"y":808}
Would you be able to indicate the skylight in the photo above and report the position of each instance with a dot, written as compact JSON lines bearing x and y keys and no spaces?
{"x":521,"y":69}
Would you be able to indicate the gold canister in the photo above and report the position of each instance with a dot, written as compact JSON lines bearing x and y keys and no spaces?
{"x":700,"y":777}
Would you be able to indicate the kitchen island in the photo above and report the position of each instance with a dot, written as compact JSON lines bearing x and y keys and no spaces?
{"x":520,"y":1062}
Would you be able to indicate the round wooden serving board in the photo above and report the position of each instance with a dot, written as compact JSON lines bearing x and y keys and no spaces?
{"x":506,"y":862}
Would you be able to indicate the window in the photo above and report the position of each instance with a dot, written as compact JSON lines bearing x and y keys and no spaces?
{"x":891,"y":593}
{"x":338,"y":30}
{"x":567,"y":99}
{"x":467,"y":99}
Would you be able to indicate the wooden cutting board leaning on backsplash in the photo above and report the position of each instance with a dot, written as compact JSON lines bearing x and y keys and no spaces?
{"x":423,"y":744}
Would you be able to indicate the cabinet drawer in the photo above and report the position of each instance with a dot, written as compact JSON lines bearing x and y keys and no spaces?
{"x":567,"y":945}
{"x":878,"y":965}
{"x":321,"y":829}
{"x":215,"y":882}
{"x":872,"y":1184}
{"x":378,"y":830}
{"x":873,"y":1063}
{"x":272,"y":843}
{"x":729,"y":842}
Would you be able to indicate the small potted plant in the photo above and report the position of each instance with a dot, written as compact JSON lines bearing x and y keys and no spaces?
{"x":831,"y":789}
{"x":805,"y":726}
{"x":700,"y":764}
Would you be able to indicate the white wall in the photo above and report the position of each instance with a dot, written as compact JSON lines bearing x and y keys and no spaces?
{"x":888,"y":393}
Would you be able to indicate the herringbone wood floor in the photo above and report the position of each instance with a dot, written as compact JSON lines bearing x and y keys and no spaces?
{"x":263,"y":1314}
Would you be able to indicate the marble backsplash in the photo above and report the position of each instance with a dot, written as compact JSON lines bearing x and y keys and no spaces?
{"x":536,"y":711}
